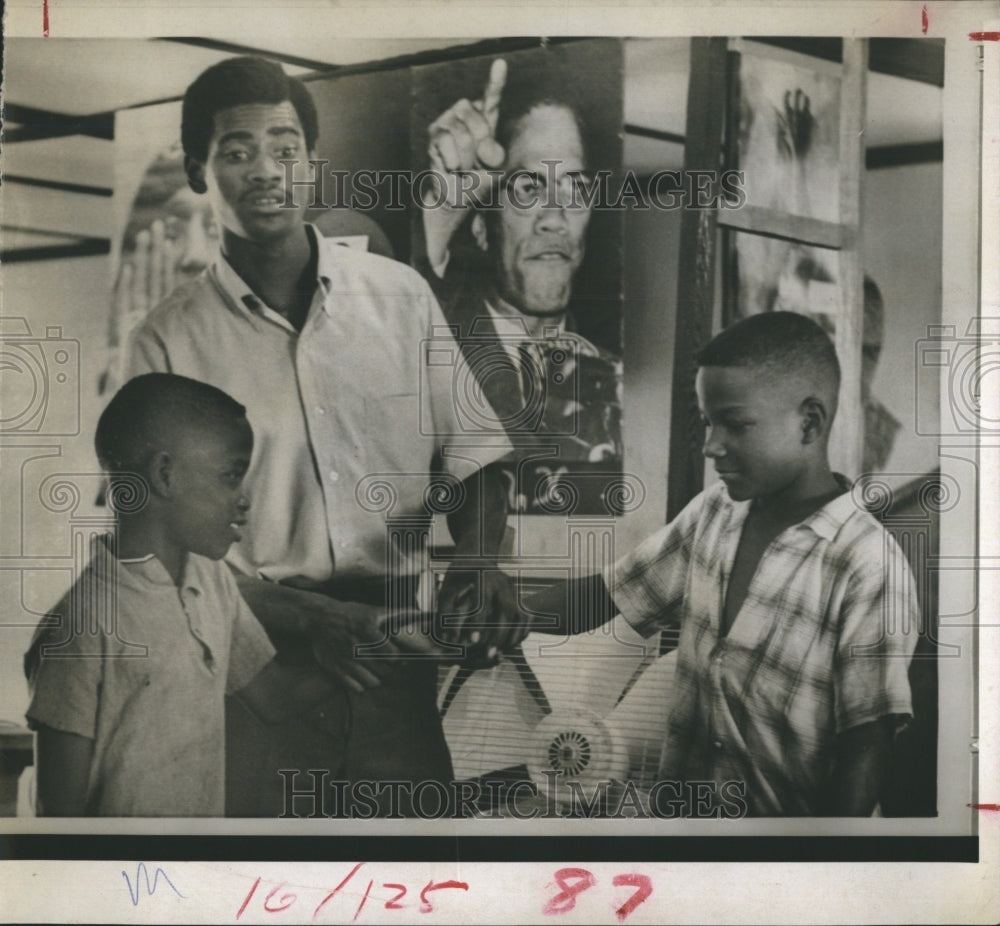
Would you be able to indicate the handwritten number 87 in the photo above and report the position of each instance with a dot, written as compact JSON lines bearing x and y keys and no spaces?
{"x":575,"y":881}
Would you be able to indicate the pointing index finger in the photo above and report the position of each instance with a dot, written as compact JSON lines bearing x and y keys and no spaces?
{"x":493,"y":91}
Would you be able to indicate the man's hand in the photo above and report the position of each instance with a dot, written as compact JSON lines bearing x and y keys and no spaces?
{"x":336,"y":629}
{"x":359,"y":643}
{"x":478,"y":610}
{"x":462,"y":143}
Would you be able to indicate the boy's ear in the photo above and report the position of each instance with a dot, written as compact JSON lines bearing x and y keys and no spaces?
{"x":161,"y":473}
{"x":815,"y":419}
{"x":195,"y":171}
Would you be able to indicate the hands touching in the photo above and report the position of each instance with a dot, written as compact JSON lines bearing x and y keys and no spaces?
{"x":479,"y":612}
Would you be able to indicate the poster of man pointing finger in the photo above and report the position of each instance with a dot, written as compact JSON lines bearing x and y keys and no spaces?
{"x":525,"y":261}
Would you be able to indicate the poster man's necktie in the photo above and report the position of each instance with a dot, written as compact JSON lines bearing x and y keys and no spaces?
{"x":532,"y":374}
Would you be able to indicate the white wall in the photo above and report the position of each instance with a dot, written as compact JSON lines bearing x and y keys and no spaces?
{"x":36,"y":570}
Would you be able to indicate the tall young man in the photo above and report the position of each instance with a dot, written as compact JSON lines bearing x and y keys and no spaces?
{"x":327,"y":348}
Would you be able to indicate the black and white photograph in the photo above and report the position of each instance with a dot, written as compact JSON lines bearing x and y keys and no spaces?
{"x":498,"y":471}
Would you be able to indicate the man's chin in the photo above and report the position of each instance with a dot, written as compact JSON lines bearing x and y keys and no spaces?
{"x":548,"y":302}
{"x":536,"y":304}
{"x":269,"y":225}
{"x":214,"y":551}
{"x":546,"y":291}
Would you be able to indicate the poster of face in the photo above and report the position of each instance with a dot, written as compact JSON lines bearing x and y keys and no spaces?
{"x":165,"y":233}
{"x":531,"y":277}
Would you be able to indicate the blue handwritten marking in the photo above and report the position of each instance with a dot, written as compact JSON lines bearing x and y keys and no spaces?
{"x":142,"y":872}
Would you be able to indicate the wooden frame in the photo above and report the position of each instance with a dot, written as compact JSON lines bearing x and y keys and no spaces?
{"x":712,"y":127}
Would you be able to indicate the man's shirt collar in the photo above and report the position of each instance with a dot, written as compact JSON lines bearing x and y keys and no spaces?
{"x":236,"y":288}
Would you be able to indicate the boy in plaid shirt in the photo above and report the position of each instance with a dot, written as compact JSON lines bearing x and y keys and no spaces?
{"x":798,"y":611}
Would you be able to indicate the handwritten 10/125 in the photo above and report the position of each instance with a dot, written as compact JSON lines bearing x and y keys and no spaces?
{"x":571,"y":882}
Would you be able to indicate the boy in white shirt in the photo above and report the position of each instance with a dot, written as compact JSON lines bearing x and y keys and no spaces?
{"x":128,"y":684}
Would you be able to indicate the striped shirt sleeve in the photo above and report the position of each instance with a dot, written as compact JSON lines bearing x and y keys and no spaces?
{"x":648,"y":584}
{"x":880,"y":622}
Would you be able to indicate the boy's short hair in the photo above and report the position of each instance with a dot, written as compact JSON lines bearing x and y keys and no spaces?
{"x":783,"y":342}
{"x":137,"y":420}
{"x":235,"y":82}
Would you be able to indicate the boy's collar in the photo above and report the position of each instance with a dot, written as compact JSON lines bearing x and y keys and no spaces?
{"x":141,"y":572}
{"x":829,"y":519}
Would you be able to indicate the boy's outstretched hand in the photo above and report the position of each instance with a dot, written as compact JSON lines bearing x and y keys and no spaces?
{"x":478,"y":611}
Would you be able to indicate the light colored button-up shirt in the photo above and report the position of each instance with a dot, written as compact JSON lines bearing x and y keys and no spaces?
{"x":350,"y":416}
{"x":141,"y":666}
{"x":821,"y":644}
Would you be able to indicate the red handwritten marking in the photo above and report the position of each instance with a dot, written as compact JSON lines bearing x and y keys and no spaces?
{"x":332,"y":893}
{"x":565,"y":900}
{"x":989,"y":808}
{"x":45,"y":19}
{"x":363,"y":899}
{"x":287,"y":898}
{"x":243,"y":906}
{"x":425,"y":904}
{"x":392,"y":904}
{"x":985,"y":36}
{"x":924,"y":20}
{"x":284,"y":897}
{"x":643,"y":886}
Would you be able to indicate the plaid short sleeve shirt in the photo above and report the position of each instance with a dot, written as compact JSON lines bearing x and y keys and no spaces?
{"x":821,"y":644}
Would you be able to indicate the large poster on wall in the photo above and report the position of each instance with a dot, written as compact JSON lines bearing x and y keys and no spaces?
{"x":527,"y":269}
{"x":164,"y":233}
